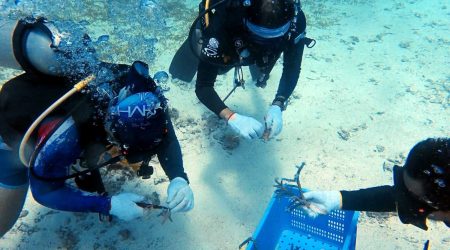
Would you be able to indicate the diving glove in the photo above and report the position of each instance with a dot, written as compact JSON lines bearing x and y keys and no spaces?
{"x":247,"y":127}
{"x":180,"y":197}
{"x":124,"y":207}
{"x":274,"y":120}
{"x":322,"y":202}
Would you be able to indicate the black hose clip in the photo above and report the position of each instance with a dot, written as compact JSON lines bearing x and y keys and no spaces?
{"x":145,"y":171}
{"x":309,"y":42}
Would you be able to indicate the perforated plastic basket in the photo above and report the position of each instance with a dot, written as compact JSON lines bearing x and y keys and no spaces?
{"x":281,"y":229}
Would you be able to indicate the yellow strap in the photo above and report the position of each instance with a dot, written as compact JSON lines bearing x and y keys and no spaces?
{"x":207,"y":14}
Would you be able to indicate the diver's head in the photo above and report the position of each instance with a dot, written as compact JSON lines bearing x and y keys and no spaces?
{"x":269,"y":20}
{"x":136,"y":119}
{"x":58,"y":48}
{"x":425,"y":180}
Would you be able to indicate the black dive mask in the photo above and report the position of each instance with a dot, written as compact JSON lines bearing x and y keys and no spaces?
{"x":411,"y":209}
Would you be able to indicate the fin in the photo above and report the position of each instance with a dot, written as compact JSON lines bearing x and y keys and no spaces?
{"x":184,"y":63}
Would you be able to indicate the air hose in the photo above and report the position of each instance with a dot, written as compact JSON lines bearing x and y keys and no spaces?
{"x":76,"y":88}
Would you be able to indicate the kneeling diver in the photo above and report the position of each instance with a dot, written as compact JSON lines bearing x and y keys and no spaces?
{"x":122,"y":107}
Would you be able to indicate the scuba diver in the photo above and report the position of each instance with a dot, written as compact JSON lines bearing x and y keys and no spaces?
{"x":121,"y":108}
{"x":421,"y":189}
{"x":235,"y":33}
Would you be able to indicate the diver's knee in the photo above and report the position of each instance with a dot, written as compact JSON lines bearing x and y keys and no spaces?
{"x":11,"y":204}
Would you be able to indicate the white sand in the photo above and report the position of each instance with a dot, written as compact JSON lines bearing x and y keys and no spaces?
{"x":379,"y":71}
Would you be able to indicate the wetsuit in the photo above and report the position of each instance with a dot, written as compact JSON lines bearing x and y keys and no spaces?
{"x":376,"y":199}
{"x":395,"y":198}
{"x":226,"y":44}
{"x":25,"y":97}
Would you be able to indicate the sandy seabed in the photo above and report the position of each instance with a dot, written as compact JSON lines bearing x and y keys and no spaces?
{"x":376,"y":83}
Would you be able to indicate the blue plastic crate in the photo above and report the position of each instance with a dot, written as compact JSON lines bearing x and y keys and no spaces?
{"x":281,"y":229}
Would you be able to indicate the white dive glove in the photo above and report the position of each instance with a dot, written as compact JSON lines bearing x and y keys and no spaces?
{"x":180,"y":197}
{"x":274,"y":120}
{"x":124,"y":207}
{"x":322,"y":202}
{"x":247,"y":127}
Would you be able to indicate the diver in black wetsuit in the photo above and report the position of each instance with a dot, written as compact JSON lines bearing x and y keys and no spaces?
{"x":421,"y":189}
{"x":250,"y":33}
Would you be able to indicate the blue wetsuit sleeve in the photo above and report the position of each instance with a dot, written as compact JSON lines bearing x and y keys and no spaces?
{"x":291,"y":69}
{"x":169,"y":155}
{"x":62,"y":196}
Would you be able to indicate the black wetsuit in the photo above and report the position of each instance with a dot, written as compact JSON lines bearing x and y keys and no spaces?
{"x":226,"y":44}
{"x":376,"y":199}
{"x":25,"y":97}
{"x":388,"y":199}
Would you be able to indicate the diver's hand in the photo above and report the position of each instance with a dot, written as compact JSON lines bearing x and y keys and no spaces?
{"x":247,"y":127}
{"x":180,"y":197}
{"x":322,"y":202}
{"x":274,"y":120}
{"x":124,"y":207}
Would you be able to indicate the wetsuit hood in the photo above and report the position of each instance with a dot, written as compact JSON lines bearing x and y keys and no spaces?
{"x":271,"y":14}
{"x":135,"y":118}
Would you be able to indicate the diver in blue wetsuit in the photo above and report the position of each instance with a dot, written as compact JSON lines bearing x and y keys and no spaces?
{"x":122,"y":108}
{"x":131,"y":114}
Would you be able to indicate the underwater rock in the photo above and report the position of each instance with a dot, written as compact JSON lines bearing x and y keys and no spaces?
{"x":229,"y":141}
{"x":387,"y":167}
{"x":155,"y":198}
{"x":354,"y":39}
{"x":124,"y":234}
{"x":212,"y":123}
{"x":68,"y":238}
{"x":147,"y":4}
{"x":84,"y":23}
{"x":174,"y":113}
{"x":96,"y":246}
{"x":157,"y":181}
{"x":404,"y":45}
{"x":344,"y":135}
{"x":24,"y":213}
{"x":379,"y":148}
{"x":389,"y":164}
{"x":102,"y":38}
{"x":27,"y":229}
{"x":381,"y":218}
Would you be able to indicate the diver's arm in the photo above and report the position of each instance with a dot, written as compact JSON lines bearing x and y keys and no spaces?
{"x":62,"y":196}
{"x":375,"y":199}
{"x":204,"y":88}
{"x":54,"y":159}
{"x":291,"y":71}
{"x":169,"y":155}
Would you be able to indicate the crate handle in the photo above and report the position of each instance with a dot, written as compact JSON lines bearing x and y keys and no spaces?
{"x":245,"y":243}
